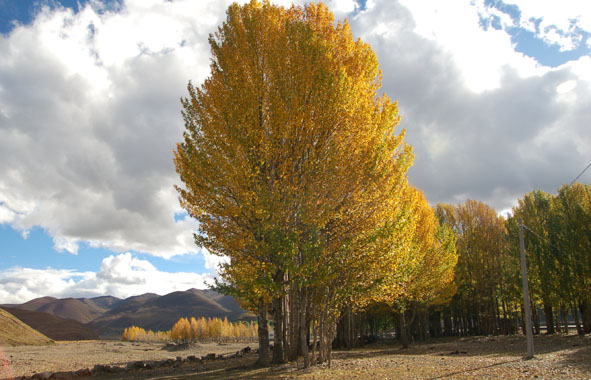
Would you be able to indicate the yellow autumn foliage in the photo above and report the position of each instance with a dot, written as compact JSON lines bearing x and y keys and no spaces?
{"x":193,"y":330}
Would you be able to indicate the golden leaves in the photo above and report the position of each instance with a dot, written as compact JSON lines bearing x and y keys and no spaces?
{"x":290,"y":160}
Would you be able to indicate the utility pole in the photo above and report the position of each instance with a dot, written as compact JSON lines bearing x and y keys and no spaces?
{"x":527,"y":307}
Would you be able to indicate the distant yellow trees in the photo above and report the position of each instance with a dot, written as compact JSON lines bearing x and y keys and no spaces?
{"x":191,"y":330}
{"x":138,"y":334}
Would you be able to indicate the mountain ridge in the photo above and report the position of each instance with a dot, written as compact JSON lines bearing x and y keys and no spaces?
{"x":108,"y":316}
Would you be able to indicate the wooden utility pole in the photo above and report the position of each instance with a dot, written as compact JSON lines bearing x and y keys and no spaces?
{"x":526,"y":304}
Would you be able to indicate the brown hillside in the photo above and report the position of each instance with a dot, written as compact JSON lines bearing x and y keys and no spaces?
{"x":36,"y":303}
{"x":131,"y":303}
{"x":54,"y":327}
{"x":13,"y":332}
{"x":81,"y":310}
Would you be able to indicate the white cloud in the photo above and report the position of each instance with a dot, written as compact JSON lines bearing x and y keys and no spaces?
{"x":566,"y":86}
{"x":481,"y":55}
{"x":560,"y":22}
{"x":89,"y":113}
{"x":494,"y":137}
{"x":120,"y":276}
{"x":342,"y":8}
{"x":6,"y":214}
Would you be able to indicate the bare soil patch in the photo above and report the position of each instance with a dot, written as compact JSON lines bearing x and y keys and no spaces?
{"x":557,"y":357}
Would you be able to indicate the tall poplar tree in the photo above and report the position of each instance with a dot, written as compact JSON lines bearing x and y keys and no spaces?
{"x":291,"y":165}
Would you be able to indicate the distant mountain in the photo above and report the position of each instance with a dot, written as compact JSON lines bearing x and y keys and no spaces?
{"x":13,"y":332}
{"x":131,"y":303}
{"x":109,"y":316}
{"x":37,"y":303}
{"x":227,"y":302}
{"x":79,"y":309}
{"x":105,"y":302}
{"x":162,"y":312}
{"x":53,"y":327}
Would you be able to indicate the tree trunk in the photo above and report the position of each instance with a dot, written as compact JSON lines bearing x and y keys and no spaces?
{"x":303,"y":324}
{"x":314,"y":342}
{"x":505,"y":317}
{"x":263,"y":331}
{"x":523,"y":328}
{"x":549,"y":318}
{"x":564,"y":318}
{"x":278,"y":351}
{"x":447,"y":323}
{"x":580,"y":330}
{"x":536,"y":318}
{"x":585,"y":315}
{"x":403,"y":332}
{"x":291,"y":341}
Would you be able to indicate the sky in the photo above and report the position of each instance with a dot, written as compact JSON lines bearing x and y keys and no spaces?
{"x":494,"y":97}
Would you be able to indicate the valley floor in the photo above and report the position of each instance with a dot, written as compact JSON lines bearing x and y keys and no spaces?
{"x":557,"y":357}
{"x":76,"y":355}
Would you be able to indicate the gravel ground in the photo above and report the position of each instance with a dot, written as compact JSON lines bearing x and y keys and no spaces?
{"x":557,"y":357}
{"x":72,"y":356}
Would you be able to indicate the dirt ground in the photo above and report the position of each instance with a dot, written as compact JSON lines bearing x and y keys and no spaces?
{"x":557,"y":357}
{"x":72,"y":356}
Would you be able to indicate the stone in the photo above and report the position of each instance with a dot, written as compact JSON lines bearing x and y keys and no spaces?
{"x":42,"y":376}
{"x":99,"y":368}
{"x":136,"y":365}
{"x":82,"y":372}
{"x":114,"y":369}
{"x":62,"y":375}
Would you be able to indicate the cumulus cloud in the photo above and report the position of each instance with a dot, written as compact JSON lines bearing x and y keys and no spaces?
{"x":490,"y":132}
{"x":120,"y":276}
{"x":565,"y":23}
{"x":90,"y":113}
{"x":480,"y":55}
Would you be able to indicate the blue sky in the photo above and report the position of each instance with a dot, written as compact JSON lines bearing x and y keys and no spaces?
{"x":493,"y":95}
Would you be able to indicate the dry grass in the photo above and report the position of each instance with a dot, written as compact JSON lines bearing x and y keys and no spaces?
{"x":557,"y":357}
{"x":13,"y":332}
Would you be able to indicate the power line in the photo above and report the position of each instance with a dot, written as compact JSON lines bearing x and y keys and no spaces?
{"x":580,"y":174}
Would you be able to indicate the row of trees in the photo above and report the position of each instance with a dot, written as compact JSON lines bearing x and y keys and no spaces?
{"x":192,"y":330}
{"x":215,"y":329}
{"x":489,"y":298}
{"x":138,"y":334}
{"x":558,"y":245}
{"x":293,"y":168}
